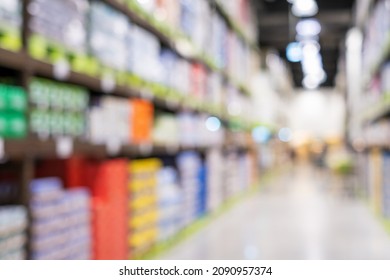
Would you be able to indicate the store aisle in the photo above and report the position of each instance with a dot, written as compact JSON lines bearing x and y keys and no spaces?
{"x":301,"y":215}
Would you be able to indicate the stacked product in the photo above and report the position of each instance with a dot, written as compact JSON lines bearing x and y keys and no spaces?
{"x":109,"y":181}
{"x":215,"y":189}
{"x":61,"y":221}
{"x":385,"y":78}
{"x":175,"y":72}
{"x":378,"y":134}
{"x":377,"y":34}
{"x":141,"y":119}
{"x":13,"y":107}
{"x":10,"y":24}
{"x":239,"y":10}
{"x":188,"y":127}
{"x":189,"y":166}
{"x":166,"y":130}
{"x":375,"y":177}
{"x":218,"y":48}
{"x":386,"y":185}
{"x":143,"y":206}
{"x":13,"y":232}
{"x":232,"y":176}
{"x":169,"y":203}
{"x":59,"y":109}
{"x":246,"y":172}
{"x":108,"y":25}
{"x":144,"y":58}
{"x":199,"y":81}
{"x":109,"y":120}
{"x":61,"y":23}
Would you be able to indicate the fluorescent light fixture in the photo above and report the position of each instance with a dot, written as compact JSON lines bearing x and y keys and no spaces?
{"x":294,"y":52}
{"x":308,"y":28}
{"x":304,"y":8}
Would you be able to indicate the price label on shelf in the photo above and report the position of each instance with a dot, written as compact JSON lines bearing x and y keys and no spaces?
{"x":172,"y":149}
{"x":113,"y":147}
{"x":61,"y":69}
{"x":2,"y":148}
{"x":172,"y":104}
{"x":64,"y":147}
{"x":146,"y":94}
{"x":145,"y":149}
{"x":108,"y":83}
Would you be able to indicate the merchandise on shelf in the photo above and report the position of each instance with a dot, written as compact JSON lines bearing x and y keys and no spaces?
{"x":58,"y":109}
{"x":108,"y":184}
{"x":13,"y":232}
{"x":144,"y":55}
{"x":143,"y":205}
{"x":386,"y":185}
{"x":109,"y":120}
{"x":61,"y":23}
{"x":142,"y":115}
{"x":169,"y":203}
{"x":166,"y":129}
{"x":120,"y":120}
{"x":13,"y":108}
{"x":377,"y":38}
{"x":108,"y":35}
{"x":10,"y":24}
{"x":215,"y":190}
{"x":385,"y":78}
{"x":190,"y":167}
{"x":60,"y":221}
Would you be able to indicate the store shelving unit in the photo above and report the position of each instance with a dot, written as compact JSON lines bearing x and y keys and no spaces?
{"x":28,"y":150}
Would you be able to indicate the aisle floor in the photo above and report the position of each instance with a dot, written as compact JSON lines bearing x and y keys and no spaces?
{"x":302,"y":214}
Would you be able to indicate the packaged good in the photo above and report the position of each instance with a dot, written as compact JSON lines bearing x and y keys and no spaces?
{"x":61,"y":22}
{"x":169,"y":203}
{"x":10,"y":24}
{"x":13,"y":108}
{"x":61,"y":221}
{"x":13,"y":232}
{"x":108,"y":25}
{"x":143,"y":205}
{"x":58,"y":109}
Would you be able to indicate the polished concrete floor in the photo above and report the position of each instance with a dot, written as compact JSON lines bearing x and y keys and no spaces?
{"x":302,"y":214}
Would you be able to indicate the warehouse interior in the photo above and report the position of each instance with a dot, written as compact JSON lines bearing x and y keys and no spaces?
{"x":194,"y":130}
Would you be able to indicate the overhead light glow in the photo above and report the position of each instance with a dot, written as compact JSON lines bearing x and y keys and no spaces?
{"x":308,"y":28}
{"x":285,"y":134}
{"x":261,"y":134}
{"x":309,"y":82}
{"x":294,"y":52}
{"x":304,"y":8}
{"x":213,"y":124}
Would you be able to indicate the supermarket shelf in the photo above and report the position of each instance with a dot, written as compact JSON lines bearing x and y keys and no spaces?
{"x":383,"y":56}
{"x":12,"y":60}
{"x":34,"y":147}
{"x":172,"y":38}
{"x":378,"y":111}
{"x":233,"y":24}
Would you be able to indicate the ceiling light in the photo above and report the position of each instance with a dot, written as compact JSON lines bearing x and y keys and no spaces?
{"x":310,"y":82}
{"x":285,"y":134}
{"x":308,"y":28}
{"x":294,"y":52}
{"x":213,"y":124}
{"x":304,"y":8}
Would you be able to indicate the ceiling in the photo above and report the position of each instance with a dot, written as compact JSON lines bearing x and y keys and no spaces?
{"x":277,"y":30}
